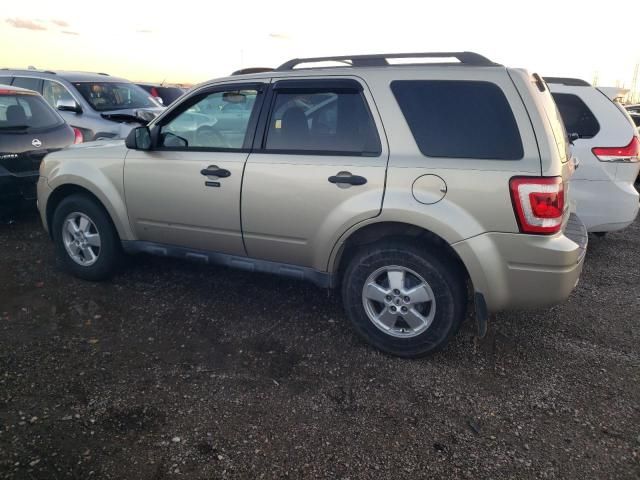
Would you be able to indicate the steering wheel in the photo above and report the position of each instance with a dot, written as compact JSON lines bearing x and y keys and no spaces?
{"x":208,"y":136}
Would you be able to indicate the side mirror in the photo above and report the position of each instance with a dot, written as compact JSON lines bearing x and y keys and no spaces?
{"x":139,"y":139}
{"x":159,"y":100}
{"x":68,"y":105}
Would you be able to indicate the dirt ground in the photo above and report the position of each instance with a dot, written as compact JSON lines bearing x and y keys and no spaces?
{"x":175,"y":370}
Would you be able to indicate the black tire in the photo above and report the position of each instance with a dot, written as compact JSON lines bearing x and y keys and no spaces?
{"x":110,"y":253}
{"x":443,"y":275}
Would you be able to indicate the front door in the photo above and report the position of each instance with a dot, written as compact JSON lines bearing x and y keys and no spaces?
{"x":186,"y":190}
{"x":319,"y":169}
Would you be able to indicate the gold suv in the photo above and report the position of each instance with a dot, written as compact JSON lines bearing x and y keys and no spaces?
{"x":409,"y":186}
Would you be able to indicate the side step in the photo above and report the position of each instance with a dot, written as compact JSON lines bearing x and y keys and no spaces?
{"x":321,"y":279}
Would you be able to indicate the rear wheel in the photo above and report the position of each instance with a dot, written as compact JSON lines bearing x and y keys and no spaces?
{"x":86,"y":241}
{"x":402,"y":299}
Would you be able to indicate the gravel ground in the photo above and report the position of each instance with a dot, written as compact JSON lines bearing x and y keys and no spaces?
{"x":175,"y":370}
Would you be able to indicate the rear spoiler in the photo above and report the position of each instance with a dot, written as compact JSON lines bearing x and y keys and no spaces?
{"x":614,"y":93}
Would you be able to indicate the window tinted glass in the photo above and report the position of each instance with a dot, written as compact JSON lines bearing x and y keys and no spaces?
{"x":28,"y":83}
{"x":576,"y":115}
{"x":459,"y":119}
{"x":26,"y":112}
{"x":53,"y":91}
{"x":322,"y":122}
{"x":219,"y":120}
{"x":105,"y":96}
{"x":636,"y":119}
{"x":5,"y":80}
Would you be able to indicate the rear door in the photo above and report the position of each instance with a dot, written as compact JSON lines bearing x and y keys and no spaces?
{"x":317,"y":169}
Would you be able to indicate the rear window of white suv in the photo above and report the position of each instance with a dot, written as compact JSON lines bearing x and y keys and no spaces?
{"x":459,"y":119}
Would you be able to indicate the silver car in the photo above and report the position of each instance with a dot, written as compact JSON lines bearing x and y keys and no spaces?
{"x":98,"y":105}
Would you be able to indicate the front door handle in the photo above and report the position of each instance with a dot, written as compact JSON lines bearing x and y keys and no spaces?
{"x":214,"y":171}
{"x":346,"y":177}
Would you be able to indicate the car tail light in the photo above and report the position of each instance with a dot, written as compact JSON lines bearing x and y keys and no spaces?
{"x":78,"y":135}
{"x":630,"y":153}
{"x":538,"y":203}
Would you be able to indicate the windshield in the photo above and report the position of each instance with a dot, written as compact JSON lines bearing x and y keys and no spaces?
{"x":26,"y":112}
{"x":105,"y":96}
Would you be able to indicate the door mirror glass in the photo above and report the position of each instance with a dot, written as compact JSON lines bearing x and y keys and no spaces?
{"x":139,"y":139}
{"x":68,"y":105}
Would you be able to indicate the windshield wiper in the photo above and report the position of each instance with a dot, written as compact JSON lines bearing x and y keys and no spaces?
{"x":15,"y":127}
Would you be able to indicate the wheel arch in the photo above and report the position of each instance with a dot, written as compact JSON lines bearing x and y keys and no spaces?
{"x":385,"y":230}
{"x":66,"y":190}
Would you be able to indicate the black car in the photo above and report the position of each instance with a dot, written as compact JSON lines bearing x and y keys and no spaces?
{"x":29,"y":129}
{"x":167,"y":94}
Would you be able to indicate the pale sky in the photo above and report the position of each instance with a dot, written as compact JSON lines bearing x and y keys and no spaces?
{"x":192,"y":41}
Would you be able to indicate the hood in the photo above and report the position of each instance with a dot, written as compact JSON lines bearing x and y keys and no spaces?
{"x":98,"y":154}
{"x":133,"y":115}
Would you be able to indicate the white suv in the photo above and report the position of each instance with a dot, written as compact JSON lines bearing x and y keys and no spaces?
{"x":606,"y":143}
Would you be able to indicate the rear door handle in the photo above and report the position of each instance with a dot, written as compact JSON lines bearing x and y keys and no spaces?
{"x":346,"y":177}
{"x":214,"y":171}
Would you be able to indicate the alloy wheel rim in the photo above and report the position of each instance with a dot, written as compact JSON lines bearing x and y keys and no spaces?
{"x":81,"y":239}
{"x":398,"y":301}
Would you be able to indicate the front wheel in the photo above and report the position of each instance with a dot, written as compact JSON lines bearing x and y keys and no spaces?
{"x":404,"y":300}
{"x":86,"y":241}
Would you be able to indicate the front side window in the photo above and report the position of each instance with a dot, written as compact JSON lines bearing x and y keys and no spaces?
{"x":26,"y":113}
{"x":54,"y":92}
{"x":459,"y":119}
{"x":218,"y":120}
{"x":105,"y":96}
{"x":322,"y":121}
{"x":576,"y":115}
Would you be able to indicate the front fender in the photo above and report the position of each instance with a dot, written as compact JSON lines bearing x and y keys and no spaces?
{"x":103,"y":178}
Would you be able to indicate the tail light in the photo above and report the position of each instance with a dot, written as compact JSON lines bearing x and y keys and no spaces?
{"x":630,"y":153}
{"x":78,"y":136}
{"x":538,"y":203}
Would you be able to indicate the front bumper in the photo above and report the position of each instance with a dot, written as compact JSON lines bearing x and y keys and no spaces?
{"x":44,"y":190}
{"x":515,"y":270}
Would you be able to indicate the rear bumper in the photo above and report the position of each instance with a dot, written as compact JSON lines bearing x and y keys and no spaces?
{"x":17,"y":186}
{"x":605,"y":205}
{"x":515,"y":271}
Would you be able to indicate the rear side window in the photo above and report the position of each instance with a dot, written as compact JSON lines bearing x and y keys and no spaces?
{"x":576,"y":115}
{"x":28,"y":83}
{"x":459,"y":119}
{"x":322,"y":121}
{"x":26,"y":112}
{"x":5,"y":80}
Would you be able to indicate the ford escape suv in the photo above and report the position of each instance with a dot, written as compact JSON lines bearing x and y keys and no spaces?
{"x":409,"y":187}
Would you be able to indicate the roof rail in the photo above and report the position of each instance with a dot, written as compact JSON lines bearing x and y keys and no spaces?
{"x":105,"y":74}
{"x":380,"y":60}
{"x":570,"y":82}
{"x":247,"y":71}
{"x":28,"y":70}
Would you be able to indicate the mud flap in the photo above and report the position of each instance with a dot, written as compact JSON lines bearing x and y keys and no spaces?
{"x":482,"y":314}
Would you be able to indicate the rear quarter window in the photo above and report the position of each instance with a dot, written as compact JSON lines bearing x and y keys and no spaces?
{"x":577,"y":117}
{"x":459,"y":119}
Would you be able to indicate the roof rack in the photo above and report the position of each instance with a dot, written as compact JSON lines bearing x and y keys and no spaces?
{"x":380,"y":60}
{"x":570,"y":82}
{"x":247,"y":71}
{"x":28,"y":70}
